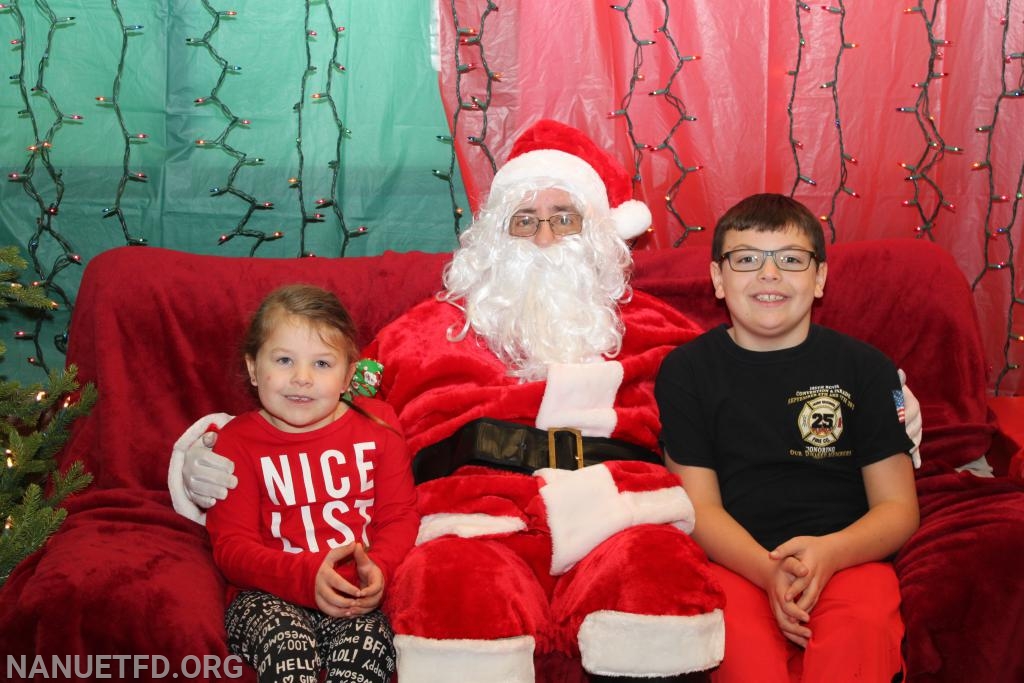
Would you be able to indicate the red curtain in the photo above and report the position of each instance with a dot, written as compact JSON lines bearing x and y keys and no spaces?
{"x":886,"y":100}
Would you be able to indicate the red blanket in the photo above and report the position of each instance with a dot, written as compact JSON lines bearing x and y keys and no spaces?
{"x":157,"y":332}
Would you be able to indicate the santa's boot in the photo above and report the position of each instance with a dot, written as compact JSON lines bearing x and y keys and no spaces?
{"x":644,"y":603}
{"x":467,"y":610}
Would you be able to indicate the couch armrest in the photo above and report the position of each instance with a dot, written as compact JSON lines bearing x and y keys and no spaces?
{"x":1007,"y":453}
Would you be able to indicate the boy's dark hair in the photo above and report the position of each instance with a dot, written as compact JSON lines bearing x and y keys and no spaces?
{"x":769,"y":212}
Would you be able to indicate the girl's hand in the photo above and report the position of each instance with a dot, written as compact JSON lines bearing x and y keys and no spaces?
{"x":371,"y":579}
{"x":335,"y":596}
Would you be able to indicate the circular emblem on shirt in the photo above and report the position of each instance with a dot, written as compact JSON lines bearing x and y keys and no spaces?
{"x":821,"y":421}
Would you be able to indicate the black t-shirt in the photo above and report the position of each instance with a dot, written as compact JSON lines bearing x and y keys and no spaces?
{"x":788,"y":431}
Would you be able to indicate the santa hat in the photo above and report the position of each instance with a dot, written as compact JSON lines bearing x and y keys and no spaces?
{"x":550,"y":149}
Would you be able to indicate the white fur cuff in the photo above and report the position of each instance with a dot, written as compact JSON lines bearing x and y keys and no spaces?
{"x":619,"y":643}
{"x":426,"y":660}
{"x":466,"y":525}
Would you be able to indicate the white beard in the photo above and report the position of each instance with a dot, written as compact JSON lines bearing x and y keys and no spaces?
{"x":538,"y":305}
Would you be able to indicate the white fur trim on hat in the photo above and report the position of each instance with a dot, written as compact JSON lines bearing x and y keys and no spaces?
{"x":428,"y":660}
{"x":553,"y":164}
{"x":618,"y":643}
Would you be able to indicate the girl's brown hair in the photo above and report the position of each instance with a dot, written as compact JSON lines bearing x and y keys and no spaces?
{"x":317,"y":306}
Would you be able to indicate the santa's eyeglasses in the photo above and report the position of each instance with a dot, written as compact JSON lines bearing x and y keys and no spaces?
{"x":562,"y":224}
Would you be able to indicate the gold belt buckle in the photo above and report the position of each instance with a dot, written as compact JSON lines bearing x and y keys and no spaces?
{"x":552,"y":451}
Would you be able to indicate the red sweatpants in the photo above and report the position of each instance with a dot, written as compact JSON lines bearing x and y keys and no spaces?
{"x":856,"y":631}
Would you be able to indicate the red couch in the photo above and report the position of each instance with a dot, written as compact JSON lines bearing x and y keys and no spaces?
{"x":156,"y":330}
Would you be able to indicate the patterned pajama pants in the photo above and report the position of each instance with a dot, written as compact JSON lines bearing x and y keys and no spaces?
{"x":286,"y":643}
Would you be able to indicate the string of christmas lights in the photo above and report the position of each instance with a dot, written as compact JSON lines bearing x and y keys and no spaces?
{"x":39,"y":164}
{"x":470,"y":39}
{"x":222,"y":143}
{"x":308,"y":217}
{"x":128,"y":138}
{"x":1003,"y":233}
{"x":935,"y":148}
{"x":674,"y":102}
{"x":832,"y":85}
{"x":794,"y":144}
{"x":324,"y":97}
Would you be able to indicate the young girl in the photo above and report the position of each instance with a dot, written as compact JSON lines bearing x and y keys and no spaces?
{"x":324,"y":509}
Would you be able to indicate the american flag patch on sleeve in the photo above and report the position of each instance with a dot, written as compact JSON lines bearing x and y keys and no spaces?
{"x":901,"y":409}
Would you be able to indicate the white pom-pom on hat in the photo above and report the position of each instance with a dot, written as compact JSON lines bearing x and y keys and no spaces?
{"x":631,"y":218}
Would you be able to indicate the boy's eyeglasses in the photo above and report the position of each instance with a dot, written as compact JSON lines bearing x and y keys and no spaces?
{"x":562,"y":224}
{"x":747,"y":260}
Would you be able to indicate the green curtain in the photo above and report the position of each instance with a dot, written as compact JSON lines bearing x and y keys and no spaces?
{"x":385,"y":100}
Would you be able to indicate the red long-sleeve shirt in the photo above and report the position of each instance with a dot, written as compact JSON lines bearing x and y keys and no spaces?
{"x":300,"y":495}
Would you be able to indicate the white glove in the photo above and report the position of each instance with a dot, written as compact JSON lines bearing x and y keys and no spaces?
{"x":912,"y":421}
{"x":197,"y":477}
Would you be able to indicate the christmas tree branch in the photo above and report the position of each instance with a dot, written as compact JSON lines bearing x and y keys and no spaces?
{"x":34,"y":428}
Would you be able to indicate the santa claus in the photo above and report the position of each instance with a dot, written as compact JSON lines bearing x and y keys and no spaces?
{"x":525,"y":391}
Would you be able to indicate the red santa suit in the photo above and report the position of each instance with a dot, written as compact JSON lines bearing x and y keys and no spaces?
{"x":594,"y":561}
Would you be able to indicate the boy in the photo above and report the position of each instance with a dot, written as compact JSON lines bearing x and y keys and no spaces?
{"x":788,"y":439}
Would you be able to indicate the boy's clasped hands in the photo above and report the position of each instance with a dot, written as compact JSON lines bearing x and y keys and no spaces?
{"x":797,"y":583}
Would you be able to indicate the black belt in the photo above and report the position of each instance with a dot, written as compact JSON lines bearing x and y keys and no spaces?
{"x":517,"y":447}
